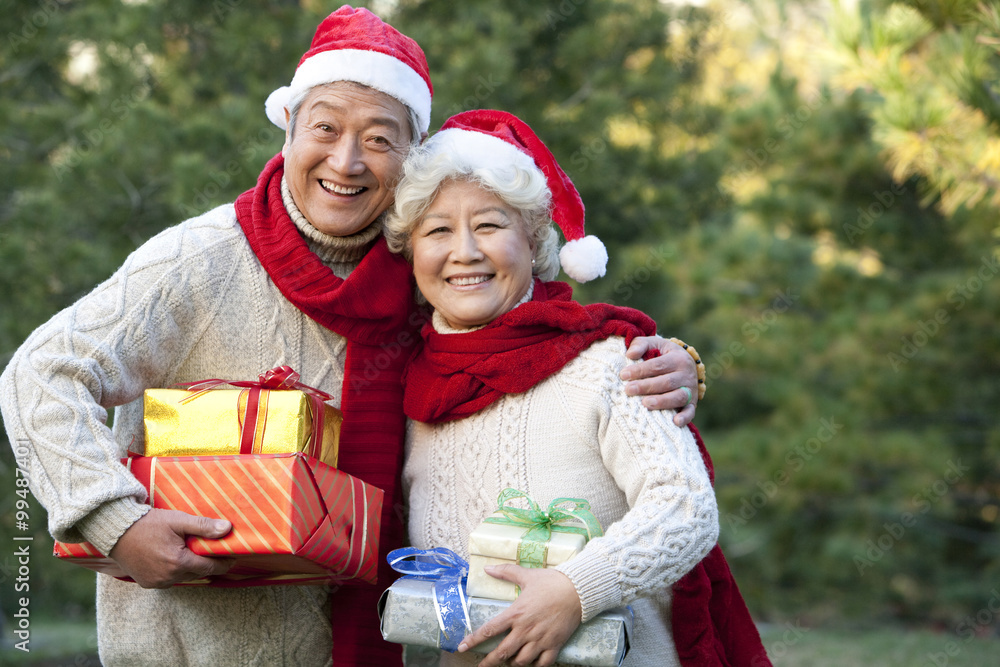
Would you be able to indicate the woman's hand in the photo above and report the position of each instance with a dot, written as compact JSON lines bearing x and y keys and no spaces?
{"x":661,"y":380}
{"x":540,"y":621}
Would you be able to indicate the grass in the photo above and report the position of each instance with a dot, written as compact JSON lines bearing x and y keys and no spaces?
{"x":55,"y":644}
{"x":791,"y":646}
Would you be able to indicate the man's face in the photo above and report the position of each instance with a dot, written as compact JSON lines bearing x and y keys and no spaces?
{"x":344,"y":159}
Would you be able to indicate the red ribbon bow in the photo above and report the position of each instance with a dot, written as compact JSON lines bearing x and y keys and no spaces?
{"x":281,"y":378}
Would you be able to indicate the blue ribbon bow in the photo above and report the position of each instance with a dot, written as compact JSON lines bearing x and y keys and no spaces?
{"x":448,"y":571}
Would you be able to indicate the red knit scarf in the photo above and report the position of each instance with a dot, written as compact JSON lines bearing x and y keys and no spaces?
{"x":372,"y":309}
{"x":455,"y":375}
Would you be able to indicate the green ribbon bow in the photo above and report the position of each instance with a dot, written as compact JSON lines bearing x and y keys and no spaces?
{"x":533,"y":549}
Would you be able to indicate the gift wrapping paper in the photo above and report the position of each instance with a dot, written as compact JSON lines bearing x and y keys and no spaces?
{"x":179,"y":422}
{"x":295,"y":519}
{"x":495,"y":544}
{"x":408,"y":616}
{"x":529,"y":537}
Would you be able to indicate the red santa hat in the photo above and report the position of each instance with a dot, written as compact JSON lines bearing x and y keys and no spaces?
{"x":490,"y":138}
{"x":355,"y":45}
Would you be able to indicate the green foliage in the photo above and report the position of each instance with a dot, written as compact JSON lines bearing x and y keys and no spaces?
{"x":813,"y":209}
{"x":933,"y":68}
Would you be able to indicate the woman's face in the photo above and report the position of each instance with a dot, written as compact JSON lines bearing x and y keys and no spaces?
{"x":471,"y":255}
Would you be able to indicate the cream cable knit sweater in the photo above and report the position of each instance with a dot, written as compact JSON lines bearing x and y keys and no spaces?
{"x":576,"y":435}
{"x":191,"y":303}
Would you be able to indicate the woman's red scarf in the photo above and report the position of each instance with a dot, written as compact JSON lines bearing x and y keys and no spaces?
{"x":455,"y":375}
{"x":372,"y":309}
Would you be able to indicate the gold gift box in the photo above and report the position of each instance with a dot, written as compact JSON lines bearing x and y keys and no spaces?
{"x":179,"y":423}
{"x":492,"y":544}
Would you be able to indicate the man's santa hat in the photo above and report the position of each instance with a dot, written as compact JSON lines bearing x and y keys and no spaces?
{"x":485,"y":138}
{"x":355,"y":45}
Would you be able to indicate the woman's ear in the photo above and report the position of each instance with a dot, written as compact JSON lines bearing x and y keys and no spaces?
{"x":288,"y":132}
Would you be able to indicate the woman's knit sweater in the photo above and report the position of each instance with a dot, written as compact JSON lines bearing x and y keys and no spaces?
{"x":576,"y":434}
{"x":191,"y":303}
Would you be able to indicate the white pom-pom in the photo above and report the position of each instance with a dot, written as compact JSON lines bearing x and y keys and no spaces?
{"x":275,"y":106}
{"x":584,"y":259}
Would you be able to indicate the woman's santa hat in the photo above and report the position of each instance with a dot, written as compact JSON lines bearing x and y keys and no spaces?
{"x":488,"y":138}
{"x":355,"y":45}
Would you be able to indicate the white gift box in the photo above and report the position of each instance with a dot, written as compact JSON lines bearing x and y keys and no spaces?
{"x":408,"y":616}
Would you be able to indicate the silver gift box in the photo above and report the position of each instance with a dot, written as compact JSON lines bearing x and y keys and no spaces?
{"x":407,"y":615}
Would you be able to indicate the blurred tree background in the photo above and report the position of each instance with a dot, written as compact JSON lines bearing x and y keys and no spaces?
{"x":808,"y":192}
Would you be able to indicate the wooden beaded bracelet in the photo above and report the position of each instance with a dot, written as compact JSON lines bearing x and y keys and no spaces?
{"x":699,"y":366}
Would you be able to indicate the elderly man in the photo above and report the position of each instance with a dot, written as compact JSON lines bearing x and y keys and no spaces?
{"x":295,"y":272}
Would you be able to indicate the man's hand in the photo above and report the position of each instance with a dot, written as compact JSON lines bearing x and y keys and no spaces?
{"x":152,"y":551}
{"x":660,"y":380}
{"x":540,"y":621}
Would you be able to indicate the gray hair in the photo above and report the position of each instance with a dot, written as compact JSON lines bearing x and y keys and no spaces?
{"x":416,"y":136}
{"x":426,"y":171}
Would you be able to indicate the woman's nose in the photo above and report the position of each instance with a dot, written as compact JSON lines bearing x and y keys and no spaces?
{"x":466,"y":246}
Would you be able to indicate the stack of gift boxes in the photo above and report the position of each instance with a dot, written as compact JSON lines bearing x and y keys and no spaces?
{"x":442,"y":598}
{"x":262,"y":455}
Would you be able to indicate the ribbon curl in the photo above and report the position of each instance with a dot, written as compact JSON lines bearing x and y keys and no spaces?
{"x":532,"y":551}
{"x":448,"y":571}
{"x":280,"y":378}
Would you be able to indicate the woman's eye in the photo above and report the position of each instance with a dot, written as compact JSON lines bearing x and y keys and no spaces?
{"x":380,"y":142}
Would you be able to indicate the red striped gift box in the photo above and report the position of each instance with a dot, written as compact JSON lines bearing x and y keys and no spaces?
{"x":295,"y":519}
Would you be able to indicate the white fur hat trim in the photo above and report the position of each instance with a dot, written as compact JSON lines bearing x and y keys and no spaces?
{"x":584,"y":259}
{"x":371,"y":68}
{"x":479,"y":150}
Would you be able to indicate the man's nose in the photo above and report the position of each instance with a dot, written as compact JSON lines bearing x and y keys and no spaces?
{"x":345,"y":157}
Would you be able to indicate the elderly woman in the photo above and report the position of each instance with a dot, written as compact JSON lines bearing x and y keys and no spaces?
{"x":516,"y":386}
